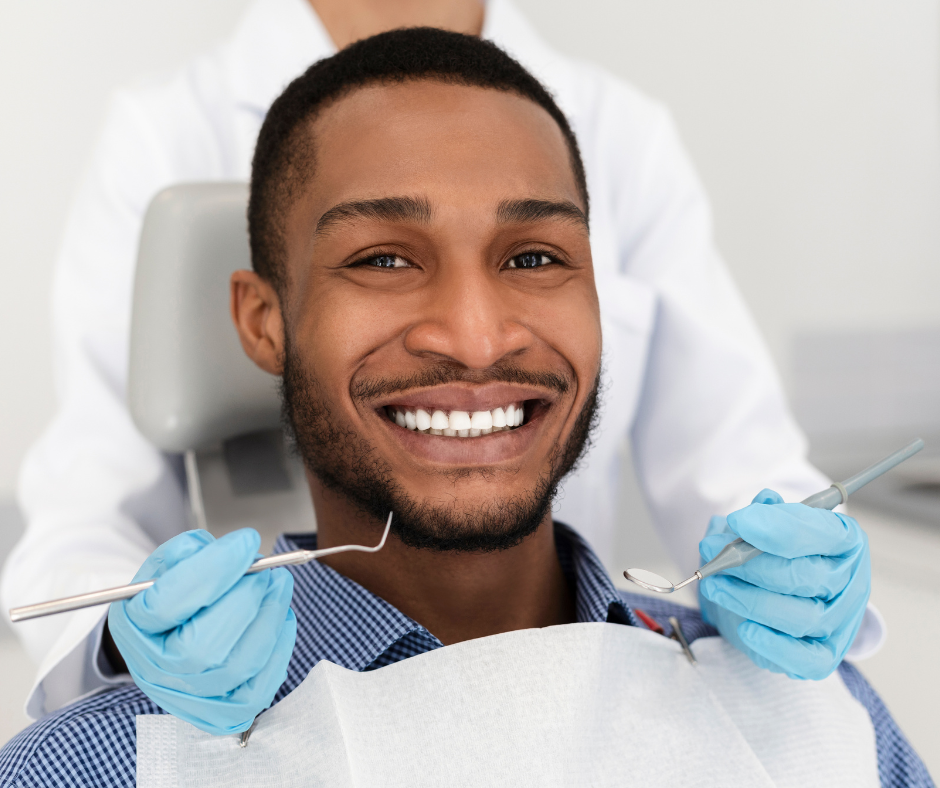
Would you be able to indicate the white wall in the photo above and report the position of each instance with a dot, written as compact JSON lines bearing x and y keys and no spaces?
{"x":813,"y":122}
{"x":815,"y":126}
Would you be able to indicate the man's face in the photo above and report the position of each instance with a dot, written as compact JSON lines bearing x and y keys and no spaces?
{"x":439,"y":282}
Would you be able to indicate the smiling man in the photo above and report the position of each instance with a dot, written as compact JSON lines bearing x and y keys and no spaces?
{"x":431,"y":307}
{"x":423,"y":284}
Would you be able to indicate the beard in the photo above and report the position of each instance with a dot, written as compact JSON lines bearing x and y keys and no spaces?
{"x":348,"y":464}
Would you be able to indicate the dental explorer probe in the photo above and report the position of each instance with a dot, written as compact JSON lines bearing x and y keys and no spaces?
{"x":108,"y":595}
{"x":740,"y":552}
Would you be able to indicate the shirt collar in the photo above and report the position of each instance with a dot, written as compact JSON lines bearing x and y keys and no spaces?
{"x":340,"y":621}
{"x":337,"y":619}
{"x":596,"y":597}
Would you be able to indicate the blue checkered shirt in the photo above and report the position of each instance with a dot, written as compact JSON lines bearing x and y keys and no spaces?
{"x":93,"y":742}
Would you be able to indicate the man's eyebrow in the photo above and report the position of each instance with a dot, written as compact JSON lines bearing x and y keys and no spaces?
{"x":387,"y":209}
{"x":524,"y":211}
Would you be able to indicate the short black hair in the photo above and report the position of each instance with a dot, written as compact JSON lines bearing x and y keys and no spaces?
{"x":284,"y":154}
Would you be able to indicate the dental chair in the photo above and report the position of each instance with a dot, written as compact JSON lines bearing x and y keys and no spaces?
{"x":191,"y":389}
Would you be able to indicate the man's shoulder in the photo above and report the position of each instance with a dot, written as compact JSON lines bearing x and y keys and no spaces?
{"x":90,"y":742}
{"x":898,"y":762}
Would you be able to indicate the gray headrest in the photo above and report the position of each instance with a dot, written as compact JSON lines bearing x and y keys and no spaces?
{"x":190,"y":384}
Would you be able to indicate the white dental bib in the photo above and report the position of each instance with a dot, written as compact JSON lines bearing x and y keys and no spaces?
{"x":583,"y":704}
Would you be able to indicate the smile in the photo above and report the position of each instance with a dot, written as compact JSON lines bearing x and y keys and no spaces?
{"x":458,"y":423}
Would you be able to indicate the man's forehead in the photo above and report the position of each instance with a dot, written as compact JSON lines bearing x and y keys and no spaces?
{"x":430,"y":99}
{"x":382,"y":145}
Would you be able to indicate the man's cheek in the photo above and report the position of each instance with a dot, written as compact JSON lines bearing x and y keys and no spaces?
{"x":335,"y":333}
{"x":576,"y":336}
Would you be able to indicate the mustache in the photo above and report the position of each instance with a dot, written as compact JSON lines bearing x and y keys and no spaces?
{"x":439,"y":374}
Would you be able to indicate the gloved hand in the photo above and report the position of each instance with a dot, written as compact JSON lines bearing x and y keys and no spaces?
{"x":797,"y":608}
{"x":206,"y":642}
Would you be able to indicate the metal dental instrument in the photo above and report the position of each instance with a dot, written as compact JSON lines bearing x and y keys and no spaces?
{"x":108,"y":595}
{"x":740,"y":552}
{"x":679,"y":635}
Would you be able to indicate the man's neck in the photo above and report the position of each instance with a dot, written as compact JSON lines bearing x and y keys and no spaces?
{"x":455,"y":596}
{"x":351,"y":20}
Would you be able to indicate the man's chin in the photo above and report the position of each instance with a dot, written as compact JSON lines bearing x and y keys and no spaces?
{"x":495,"y":525}
{"x":457,"y":520}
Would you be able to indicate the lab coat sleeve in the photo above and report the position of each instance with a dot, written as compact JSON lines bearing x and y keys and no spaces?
{"x":96,"y":495}
{"x":712,"y":425}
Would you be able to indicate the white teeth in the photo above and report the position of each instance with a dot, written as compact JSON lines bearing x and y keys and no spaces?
{"x":459,"y":420}
{"x":481,"y":420}
{"x":459,"y":423}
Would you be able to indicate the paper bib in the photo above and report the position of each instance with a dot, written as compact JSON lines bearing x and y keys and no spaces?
{"x":583,"y":704}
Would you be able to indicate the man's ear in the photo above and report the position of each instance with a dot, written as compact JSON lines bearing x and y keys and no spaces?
{"x":256,"y":312}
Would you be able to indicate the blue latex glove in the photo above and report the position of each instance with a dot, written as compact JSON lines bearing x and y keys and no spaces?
{"x":206,"y":642}
{"x":797,"y":608}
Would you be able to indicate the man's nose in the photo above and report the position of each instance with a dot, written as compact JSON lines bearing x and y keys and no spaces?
{"x":471,"y":318}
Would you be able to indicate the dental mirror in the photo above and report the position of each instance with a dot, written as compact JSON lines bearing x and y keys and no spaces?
{"x":649,"y":580}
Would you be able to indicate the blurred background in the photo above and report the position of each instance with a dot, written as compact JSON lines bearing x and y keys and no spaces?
{"x":815,"y":125}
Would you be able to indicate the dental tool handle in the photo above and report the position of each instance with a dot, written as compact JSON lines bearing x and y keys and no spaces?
{"x":733,"y":554}
{"x":108,"y":595}
{"x":740,"y":552}
{"x":859,"y":480}
{"x":103,"y":597}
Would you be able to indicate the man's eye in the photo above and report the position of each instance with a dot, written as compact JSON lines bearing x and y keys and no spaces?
{"x":385,"y":261}
{"x":530,"y":260}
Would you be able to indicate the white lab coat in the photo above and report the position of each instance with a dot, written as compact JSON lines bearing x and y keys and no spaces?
{"x":688,"y":378}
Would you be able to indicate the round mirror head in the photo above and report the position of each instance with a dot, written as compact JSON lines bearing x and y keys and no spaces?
{"x":649,"y":580}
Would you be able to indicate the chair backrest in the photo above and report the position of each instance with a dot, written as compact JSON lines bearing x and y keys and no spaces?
{"x":190,"y":384}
